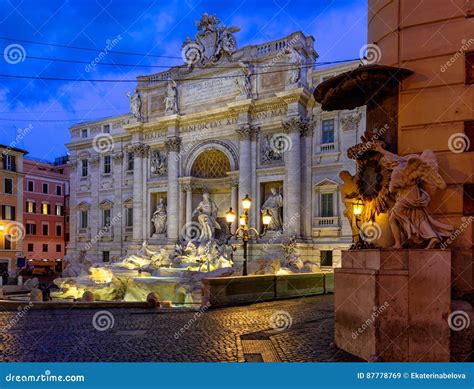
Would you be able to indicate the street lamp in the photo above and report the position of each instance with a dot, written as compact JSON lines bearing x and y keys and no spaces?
{"x":361,"y":243}
{"x":244,"y":231}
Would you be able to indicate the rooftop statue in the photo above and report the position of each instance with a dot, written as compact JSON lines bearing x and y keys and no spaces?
{"x":213,"y":41}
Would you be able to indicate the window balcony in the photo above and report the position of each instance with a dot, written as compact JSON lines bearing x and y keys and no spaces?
{"x":326,"y":222}
{"x":106,"y":233}
{"x":327,"y":147}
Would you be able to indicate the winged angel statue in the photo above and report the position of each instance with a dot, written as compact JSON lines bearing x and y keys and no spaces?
{"x":414,"y":178}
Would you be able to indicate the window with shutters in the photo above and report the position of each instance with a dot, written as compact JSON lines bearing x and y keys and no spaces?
{"x":8,"y":212}
{"x":45,"y":229}
{"x":45,"y":188}
{"x":30,"y":207}
{"x":45,"y":208}
{"x":59,"y":190}
{"x":30,"y":228}
{"x":30,"y":247}
{"x":31,"y":186}
{"x":59,"y":210}
{"x":9,"y":162}
{"x":59,"y":230}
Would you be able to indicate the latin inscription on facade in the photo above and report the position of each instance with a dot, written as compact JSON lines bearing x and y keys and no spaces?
{"x":205,"y":90}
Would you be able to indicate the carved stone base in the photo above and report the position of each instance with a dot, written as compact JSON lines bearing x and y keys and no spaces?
{"x":393,"y":305}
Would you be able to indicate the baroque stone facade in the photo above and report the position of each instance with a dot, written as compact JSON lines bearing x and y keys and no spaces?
{"x":243,"y":121}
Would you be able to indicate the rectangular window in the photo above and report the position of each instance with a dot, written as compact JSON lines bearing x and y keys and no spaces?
{"x":45,"y":209}
{"x":7,"y":242}
{"x":59,"y":190}
{"x":59,"y":210}
{"x":105,"y":256}
{"x":85,"y":168}
{"x":84,"y":219}
{"x":59,"y":230}
{"x":45,"y":188}
{"x":129,"y":217}
{"x":9,"y":162}
{"x":326,"y":258}
{"x":106,"y":129}
{"x":470,"y":68}
{"x":130,"y":161}
{"x":45,"y":248}
{"x":8,"y":186}
{"x":30,"y":247}
{"x":84,"y":133}
{"x":30,"y":228}
{"x":327,"y":205}
{"x":45,"y":229}
{"x":107,"y":160}
{"x":31,"y":186}
{"x":58,"y":248}
{"x":106,"y":218}
{"x":327,"y":134}
{"x":30,"y":207}
{"x":8,"y":212}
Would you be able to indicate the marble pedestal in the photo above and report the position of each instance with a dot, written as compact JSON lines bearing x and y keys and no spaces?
{"x":393,"y":305}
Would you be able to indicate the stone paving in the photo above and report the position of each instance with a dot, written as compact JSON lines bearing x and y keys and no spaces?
{"x":288,"y":330}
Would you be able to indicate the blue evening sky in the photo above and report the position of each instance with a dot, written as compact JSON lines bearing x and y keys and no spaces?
{"x":154,"y":27}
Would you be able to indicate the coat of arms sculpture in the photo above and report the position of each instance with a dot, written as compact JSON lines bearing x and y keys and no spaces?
{"x":213,"y":42}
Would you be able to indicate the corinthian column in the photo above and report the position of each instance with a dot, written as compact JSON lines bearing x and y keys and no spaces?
{"x":246,"y":134}
{"x":172,"y":147}
{"x":139,"y":153}
{"x":294,"y":128}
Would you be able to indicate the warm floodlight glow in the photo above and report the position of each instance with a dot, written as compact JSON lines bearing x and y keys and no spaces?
{"x":266,"y":218}
{"x":246,"y":203}
{"x":358,"y":207}
{"x":230,"y":216}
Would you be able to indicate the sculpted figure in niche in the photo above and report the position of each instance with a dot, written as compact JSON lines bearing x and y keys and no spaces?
{"x":160,"y":217}
{"x":294,"y":64}
{"x":135,"y":104}
{"x":171,"y":98}
{"x":206,"y":212}
{"x":158,"y":164}
{"x":274,"y":204}
{"x":413,"y":180}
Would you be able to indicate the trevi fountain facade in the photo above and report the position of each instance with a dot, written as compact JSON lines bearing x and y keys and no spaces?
{"x":229,"y":122}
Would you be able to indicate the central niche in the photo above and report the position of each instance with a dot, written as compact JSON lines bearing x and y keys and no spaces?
{"x":211,"y":164}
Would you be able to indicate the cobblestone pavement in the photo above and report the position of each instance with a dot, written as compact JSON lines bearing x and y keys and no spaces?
{"x":304,"y":333}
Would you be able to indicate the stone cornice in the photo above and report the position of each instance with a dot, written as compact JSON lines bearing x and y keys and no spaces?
{"x":297,"y":95}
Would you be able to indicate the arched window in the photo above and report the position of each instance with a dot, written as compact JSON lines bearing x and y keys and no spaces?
{"x":211,"y":164}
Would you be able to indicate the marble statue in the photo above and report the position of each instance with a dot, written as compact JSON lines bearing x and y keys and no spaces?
{"x":171,"y":97}
{"x":273,"y":204}
{"x":294,"y":65}
{"x":135,"y":105}
{"x":160,"y":217}
{"x":206,"y":212}
{"x":414,"y":178}
{"x":243,"y":83}
{"x":213,"y":41}
{"x":270,"y":152}
{"x":158,"y":164}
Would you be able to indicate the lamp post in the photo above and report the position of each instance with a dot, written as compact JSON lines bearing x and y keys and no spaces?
{"x":357,"y":209}
{"x":244,"y":231}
